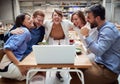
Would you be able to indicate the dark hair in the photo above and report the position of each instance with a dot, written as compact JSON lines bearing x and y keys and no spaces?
{"x":97,"y":10}
{"x":80,"y":15}
{"x":20,"y":19}
{"x":1,"y":24}
{"x":58,"y":12}
{"x":38,"y":12}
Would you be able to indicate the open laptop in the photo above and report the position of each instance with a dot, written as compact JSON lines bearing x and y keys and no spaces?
{"x":54,"y":54}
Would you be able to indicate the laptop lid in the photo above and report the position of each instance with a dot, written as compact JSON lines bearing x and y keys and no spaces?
{"x":54,"y":54}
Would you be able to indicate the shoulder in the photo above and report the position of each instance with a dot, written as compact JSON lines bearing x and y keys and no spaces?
{"x":26,"y":31}
{"x":109,"y":26}
{"x":42,"y":28}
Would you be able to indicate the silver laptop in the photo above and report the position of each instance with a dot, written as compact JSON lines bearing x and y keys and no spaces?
{"x":54,"y":54}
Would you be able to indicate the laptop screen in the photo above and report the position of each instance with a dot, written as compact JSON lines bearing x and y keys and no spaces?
{"x":54,"y":54}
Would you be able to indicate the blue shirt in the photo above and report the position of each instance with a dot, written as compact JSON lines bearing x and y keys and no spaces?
{"x":18,"y":43}
{"x":37,"y":35}
{"x":107,"y":47}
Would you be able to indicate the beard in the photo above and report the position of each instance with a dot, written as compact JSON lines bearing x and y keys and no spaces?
{"x":93,"y":25}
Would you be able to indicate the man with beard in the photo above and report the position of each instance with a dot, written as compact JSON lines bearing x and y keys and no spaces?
{"x":106,"y":65}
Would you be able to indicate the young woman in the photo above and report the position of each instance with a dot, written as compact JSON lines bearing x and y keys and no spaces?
{"x":57,"y":29}
{"x":79,"y":21}
{"x":57,"y":32}
{"x":14,"y":48}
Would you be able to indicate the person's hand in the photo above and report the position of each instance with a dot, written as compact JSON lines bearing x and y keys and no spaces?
{"x":17,"y":31}
{"x":84,"y":31}
{"x":23,"y":70}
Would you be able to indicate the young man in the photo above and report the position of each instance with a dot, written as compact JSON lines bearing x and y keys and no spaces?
{"x":106,"y":65}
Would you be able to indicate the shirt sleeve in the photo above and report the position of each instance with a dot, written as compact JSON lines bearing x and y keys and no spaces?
{"x":15,"y":41}
{"x":105,"y":39}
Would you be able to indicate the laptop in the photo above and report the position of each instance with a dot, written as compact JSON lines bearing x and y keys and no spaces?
{"x":54,"y":54}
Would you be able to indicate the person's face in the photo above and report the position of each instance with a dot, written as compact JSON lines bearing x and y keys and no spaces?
{"x":56,"y":18}
{"x":28,"y":22}
{"x":76,"y":20}
{"x":38,"y":20}
{"x":92,"y":20}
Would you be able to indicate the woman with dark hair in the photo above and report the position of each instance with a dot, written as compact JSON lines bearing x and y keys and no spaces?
{"x":81,"y":25}
{"x":15,"y":47}
{"x":79,"y":21}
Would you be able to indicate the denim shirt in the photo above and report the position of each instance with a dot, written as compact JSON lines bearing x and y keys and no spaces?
{"x":106,"y":47}
{"x":18,"y":43}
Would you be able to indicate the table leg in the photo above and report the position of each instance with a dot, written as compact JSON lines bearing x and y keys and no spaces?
{"x":79,"y":73}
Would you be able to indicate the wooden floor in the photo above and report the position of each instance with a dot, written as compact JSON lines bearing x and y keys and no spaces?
{"x":74,"y":80}
{"x":11,"y":81}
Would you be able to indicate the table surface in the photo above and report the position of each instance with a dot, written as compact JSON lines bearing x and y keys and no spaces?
{"x":81,"y":61}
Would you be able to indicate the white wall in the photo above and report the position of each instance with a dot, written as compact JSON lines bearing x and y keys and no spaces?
{"x":108,"y":11}
{"x":113,"y":11}
{"x":117,"y":13}
{"x":8,"y":12}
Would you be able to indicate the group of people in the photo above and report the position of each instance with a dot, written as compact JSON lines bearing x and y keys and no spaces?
{"x":27,"y":32}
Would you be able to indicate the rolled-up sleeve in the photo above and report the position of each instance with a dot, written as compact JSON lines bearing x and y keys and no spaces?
{"x":15,"y":41}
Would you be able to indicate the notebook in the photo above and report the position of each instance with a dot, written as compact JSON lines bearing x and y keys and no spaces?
{"x":54,"y":54}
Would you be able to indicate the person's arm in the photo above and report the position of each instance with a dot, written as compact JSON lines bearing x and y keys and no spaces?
{"x":12,"y":44}
{"x":105,"y":39}
{"x":11,"y":56}
{"x":17,"y":31}
{"x":15,"y":41}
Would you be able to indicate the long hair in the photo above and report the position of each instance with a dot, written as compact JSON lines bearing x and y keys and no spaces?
{"x":80,"y":15}
{"x":20,"y":19}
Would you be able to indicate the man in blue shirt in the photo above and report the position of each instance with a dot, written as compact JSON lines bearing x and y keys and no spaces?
{"x":37,"y":33}
{"x":106,"y":65}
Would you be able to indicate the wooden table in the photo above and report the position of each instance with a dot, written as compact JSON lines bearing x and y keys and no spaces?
{"x":81,"y":61}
